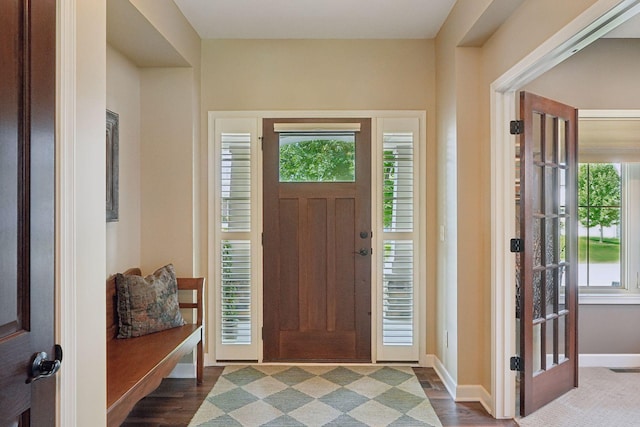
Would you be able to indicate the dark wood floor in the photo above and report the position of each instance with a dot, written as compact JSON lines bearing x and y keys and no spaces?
{"x":175,"y":402}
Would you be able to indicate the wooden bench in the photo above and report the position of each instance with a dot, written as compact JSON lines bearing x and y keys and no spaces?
{"x":136,"y":366}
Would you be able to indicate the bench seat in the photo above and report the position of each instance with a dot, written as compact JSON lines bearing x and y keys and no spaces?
{"x":136,"y":366}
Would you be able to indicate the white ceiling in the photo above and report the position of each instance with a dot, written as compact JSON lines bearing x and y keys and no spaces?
{"x":316,"y":19}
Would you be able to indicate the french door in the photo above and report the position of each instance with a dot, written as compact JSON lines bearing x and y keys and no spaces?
{"x":548,"y":303}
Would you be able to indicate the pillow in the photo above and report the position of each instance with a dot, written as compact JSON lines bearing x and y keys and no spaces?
{"x":147,"y":304}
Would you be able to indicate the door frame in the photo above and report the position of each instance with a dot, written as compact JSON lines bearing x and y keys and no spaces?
{"x":596,"y":21}
{"x":66,"y":306}
{"x":421,"y":290}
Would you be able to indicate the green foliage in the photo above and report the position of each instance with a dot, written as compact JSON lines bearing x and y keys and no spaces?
{"x":598,"y":195}
{"x":389,"y":172}
{"x":607,"y":251}
{"x":318,"y":161}
{"x":332,"y":161}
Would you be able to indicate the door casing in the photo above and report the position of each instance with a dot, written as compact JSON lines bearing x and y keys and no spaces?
{"x":599,"y":19}
{"x":421,"y":222}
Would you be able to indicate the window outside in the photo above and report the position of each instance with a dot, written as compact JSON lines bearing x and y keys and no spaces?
{"x":317,"y":157}
{"x":600,"y":214}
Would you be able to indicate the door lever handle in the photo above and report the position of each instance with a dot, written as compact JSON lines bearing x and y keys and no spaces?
{"x":362,"y":252}
{"x":42,"y":367}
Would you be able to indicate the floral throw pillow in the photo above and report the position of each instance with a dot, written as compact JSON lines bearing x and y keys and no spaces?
{"x":148,"y":304}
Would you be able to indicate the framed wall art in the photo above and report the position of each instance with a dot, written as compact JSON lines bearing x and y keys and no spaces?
{"x":112,"y":166}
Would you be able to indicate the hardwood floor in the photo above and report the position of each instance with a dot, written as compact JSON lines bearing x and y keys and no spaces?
{"x":175,"y":402}
{"x":454,"y":413}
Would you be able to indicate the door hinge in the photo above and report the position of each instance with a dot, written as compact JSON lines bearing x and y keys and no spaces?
{"x":516,"y":364}
{"x":262,"y":239}
{"x":515,"y":245}
{"x":516,"y":127}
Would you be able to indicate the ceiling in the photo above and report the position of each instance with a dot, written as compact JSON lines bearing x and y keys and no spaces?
{"x":313,"y":19}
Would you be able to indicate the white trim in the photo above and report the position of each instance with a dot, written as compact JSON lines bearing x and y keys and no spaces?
{"x":313,"y":127}
{"x":609,"y":360}
{"x":65,"y":302}
{"x":598,"y":19}
{"x":459,"y":393}
{"x":474,"y":393}
{"x":609,"y":114}
{"x":612,"y":299}
{"x":446,"y":378}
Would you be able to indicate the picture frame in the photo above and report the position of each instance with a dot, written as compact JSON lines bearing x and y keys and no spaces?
{"x":112,"y":166}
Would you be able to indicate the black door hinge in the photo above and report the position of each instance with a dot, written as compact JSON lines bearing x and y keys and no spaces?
{"x":262,"y":239}
{"x":516,"y":127}
{"x":516,"y":364}
{"x":515,"y":245}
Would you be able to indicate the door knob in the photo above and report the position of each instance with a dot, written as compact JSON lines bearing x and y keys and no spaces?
{"x":362,"y":252}
{"x":42,"y":367}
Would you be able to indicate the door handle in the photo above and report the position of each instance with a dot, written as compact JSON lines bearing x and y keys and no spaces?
{"x":362,"y":252}
{"x":42,"y":367}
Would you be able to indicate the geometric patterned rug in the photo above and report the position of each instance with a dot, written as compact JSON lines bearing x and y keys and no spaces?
{"x":340,"y":396}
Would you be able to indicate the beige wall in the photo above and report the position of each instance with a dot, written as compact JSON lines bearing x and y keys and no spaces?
{"x":317,"y":74}
{"x":463,"y":345}
{"x":165,"y":169}
{"x":602,"y":76}
{"x":329,"y":75}
{"x":166,"y":183}
{"x":123,"y":98}
{"x":467,"y":125}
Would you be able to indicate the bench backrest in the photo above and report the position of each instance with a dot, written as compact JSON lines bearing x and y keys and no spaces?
{"x":194,"y":284}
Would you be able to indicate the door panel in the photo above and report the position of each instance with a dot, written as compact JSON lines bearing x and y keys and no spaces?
{"x":27,"y":128}
{"x":317,"y":287}
{"x":548,"y":228}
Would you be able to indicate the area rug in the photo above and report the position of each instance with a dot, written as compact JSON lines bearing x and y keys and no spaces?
{"x":341,"y":396}
{"x":603,"y":398}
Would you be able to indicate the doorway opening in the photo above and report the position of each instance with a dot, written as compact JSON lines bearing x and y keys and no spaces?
{"x":255,"y":177}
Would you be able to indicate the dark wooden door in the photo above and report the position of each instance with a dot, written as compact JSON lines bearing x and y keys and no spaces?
{"x":317,"y":258}
{"x":27,"y":128}
{"x":549,"y":263}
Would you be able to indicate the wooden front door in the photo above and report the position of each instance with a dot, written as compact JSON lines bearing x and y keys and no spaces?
{"x":317,"y":243}
{"x":549,"y":263}
{"x":27,"y":129}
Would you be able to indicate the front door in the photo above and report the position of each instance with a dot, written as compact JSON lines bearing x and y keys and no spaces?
{"x":549,"y":262}
{"x":27,"y":128}
{"x":317,"y":240}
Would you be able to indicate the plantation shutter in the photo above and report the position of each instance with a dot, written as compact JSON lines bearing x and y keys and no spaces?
{"x":234,"y":246}
{"x":397,"y":340}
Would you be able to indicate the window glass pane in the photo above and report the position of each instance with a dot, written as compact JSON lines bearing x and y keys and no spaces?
{"x":235,"y":295}
{"x":235,"y":182}
{"x":317,"y":157}
{"x":599,"y":231}
{"x":397,"y":316}
{"x":398,"y":178}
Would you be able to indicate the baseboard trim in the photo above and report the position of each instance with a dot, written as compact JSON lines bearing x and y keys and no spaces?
{"x":609,"y":360}
{"x":183,"y":370}
{"x":474,"y":393}
{"x":460,"y":393}
{"x":445,"y":377}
